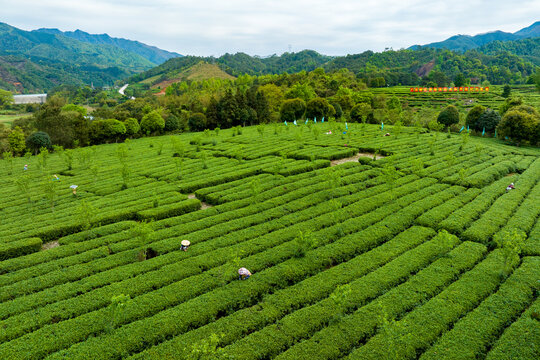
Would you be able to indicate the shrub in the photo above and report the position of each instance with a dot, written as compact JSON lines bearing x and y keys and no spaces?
{"x":318,"y":108}
{"x":38,"y":140}
{"x":473,"y":117}
{"x":360,"y":112}
{"x":292,"y":109}
{"x":19,"y":248}
{"x":132,"y":126}
{"x":172,"y":123}
{"x":489,"y":120}
{"x":519,"y":124}
{"x":448,"y":116}
{"x":197,"y":122}
{"x":106,"y":130}
{"x":152,"y":122}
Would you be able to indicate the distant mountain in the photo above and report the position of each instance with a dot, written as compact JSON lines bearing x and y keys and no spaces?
{"x":466,"y":42}
{"x":151,"y":53}
{"x":37,"y":61}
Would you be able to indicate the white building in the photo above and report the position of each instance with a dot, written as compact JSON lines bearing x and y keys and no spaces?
{"x":29,"y":99}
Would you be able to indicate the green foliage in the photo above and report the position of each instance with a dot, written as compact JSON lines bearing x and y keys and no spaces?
{"x":473,"y":117}
{"x":37,"y":141}
{"x":506,"y":91}
{"x":318,"y":108}
{"x":197,"y":122}
{"x":132,"y":126}
{"x":172,"y":123}
{"x":6,"y":98}
{"x":488,"y":120}
{"x":520,"y":124}
{"x":449,"y":116}
{"x":106,"y":130}
{"x":72,"y":107}
{"x":510,"y":241}
{"x":292,"y":109}
{"x":152,"y":122}
{"x":16,"y":140}
{"x":360,"y":112}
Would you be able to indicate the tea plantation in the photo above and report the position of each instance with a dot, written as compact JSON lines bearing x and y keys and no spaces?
{"x":413,"y":251}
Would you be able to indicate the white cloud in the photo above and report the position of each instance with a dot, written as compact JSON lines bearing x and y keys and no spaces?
{"x":338,"y":27}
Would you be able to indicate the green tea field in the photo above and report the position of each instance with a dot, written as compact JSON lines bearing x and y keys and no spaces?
{"x":360,"y":246}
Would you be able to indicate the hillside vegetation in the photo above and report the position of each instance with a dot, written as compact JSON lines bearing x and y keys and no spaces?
{"x":420,"y":254}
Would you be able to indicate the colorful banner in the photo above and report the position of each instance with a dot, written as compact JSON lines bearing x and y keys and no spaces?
{"x":451,"y":89}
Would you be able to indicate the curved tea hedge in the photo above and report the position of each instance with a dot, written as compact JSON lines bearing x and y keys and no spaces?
{"x":394,"y":255}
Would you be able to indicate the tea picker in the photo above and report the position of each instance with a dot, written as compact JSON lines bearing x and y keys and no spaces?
{"x":74,"y":189}
{"x":184,"y":245}
{"x":25,"y":167}
{"x":244,"y":274}
{"x":510,"y":187}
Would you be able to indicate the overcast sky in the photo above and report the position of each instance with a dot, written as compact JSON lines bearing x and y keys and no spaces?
{"x":260,"y":27}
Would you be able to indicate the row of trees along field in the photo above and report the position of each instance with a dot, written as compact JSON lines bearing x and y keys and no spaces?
{"x":250,"y":100}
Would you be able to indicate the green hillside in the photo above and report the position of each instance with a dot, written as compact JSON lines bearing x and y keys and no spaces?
{"x":498,"y":65}
{"x":35,"y":61}
{"x":421,"y":253}
{"x":151,"y":53}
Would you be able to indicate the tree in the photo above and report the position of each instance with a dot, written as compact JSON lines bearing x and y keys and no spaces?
{"x":338,"y":110}
{"x":473,"y":116}
{"x":16,"y":141}
{"x":394,"y":104}
{"x":6,"y":98}
{"x":506,"y":91}
{"x":360,"y":112}
{"x":519,"y":124}
{"x":72,"y":107}
{"x":302,"y":91}
{"x":460,"y":80}
{"x":38,"y":140}
{"x":197,"y":122}
{"x":172,"y":123}
{"x":318,"y":108}
{"x":132,"y":126}
{"x":449,"y":116}
{"x":510,"y":103}
{"x":152,"y":122}
{"x":489,"y":120}
{"x":292,"y":109}
{"x":106,"y":130}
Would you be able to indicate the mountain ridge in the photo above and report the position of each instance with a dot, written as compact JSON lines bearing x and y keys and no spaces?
{"x":468,"y":42}
{"x":149,"y":52}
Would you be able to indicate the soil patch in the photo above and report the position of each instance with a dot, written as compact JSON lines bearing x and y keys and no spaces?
{"x":354,"y":158}
{"x":510,"y":174}
{"x":203,"y":204}
{"x":50,"y":245}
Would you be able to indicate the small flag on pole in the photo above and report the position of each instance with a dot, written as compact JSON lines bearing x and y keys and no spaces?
{"x":483,"y":131}
{"x":463,"y":127}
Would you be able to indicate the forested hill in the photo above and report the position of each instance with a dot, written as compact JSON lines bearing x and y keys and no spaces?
{"x":36,"y":61}
{"x":498,"y":63}
{"x":150,"y":53}
{"x":467,"y":42}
